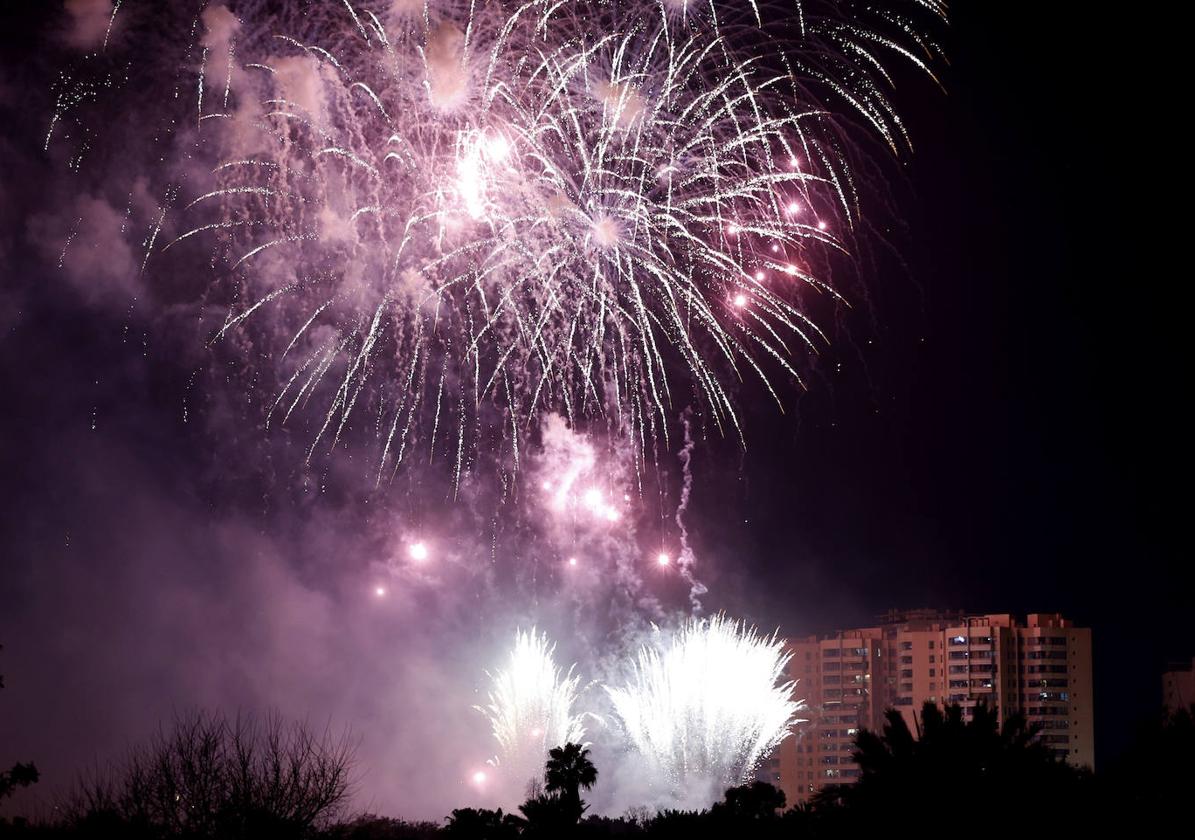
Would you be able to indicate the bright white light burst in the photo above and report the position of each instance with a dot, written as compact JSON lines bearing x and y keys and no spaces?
{"x":704,"y":706}
{"x":531,"y":708}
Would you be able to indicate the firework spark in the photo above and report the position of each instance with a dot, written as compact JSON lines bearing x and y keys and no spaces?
{"x":706,"y":705}
{"x":531,"y":708}
{"x":466,"y":215}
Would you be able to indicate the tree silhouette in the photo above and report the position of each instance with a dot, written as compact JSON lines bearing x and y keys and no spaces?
{"x":1152,"y":782}
{"x":21,"y":774}
{"x":751,"y":803}
{"x":953,"y":766}
{"x":567,"y":772}
{"x":481,"y":824}
{"x":209,"y":777}
{"x":556,"y":811}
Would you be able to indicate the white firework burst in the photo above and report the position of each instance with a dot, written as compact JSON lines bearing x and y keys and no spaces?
{"x":705,"y":705}
{"x":531,"y":708}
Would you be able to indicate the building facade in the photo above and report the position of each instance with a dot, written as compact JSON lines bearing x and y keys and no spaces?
{"x":1040,"y":667}
{"x":1178,"y":687}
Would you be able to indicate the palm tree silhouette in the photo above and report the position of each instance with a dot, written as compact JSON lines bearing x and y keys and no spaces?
{"x":949,"y":764}
{"x":566,"y":773}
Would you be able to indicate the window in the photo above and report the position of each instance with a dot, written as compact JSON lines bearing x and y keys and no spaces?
{"x":1059,"y":696}
{"x":1045,"y":669}
{"x":906,"y":674}
{"x":906,"y":660}
{"x":1046,"y":654}
{"x":958,"y":640}
{"x":932,"y":671}
{"x":906,"y":645}
{"x":959,"y":654}
{"x":831,"y":652}
{"x":1044,"y":711}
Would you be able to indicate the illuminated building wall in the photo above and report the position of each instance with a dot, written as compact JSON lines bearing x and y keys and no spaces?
{"x":1040,"y":667}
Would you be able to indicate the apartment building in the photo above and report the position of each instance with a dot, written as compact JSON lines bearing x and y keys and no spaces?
{"x":1040,"y":667}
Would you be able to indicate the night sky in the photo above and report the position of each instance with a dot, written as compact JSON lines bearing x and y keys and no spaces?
{"x":996,"y":428}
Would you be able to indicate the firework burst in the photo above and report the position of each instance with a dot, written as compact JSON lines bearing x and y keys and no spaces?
{"x":465,"y":215}
{"x":705,"y":706}
{"x":531,"y":708}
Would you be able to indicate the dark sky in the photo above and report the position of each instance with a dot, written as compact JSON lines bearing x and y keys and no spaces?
{"x":998,"y":427}
{"x":1006,"y":434}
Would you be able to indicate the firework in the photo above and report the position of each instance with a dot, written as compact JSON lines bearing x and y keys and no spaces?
{"x":465,"y":215}
{"x":531,"y":708}
{"x":705,"y":706}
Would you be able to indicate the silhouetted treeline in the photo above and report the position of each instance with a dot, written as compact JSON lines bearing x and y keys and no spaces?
{"x":954,"y":774}
{"x":212,"y":777}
